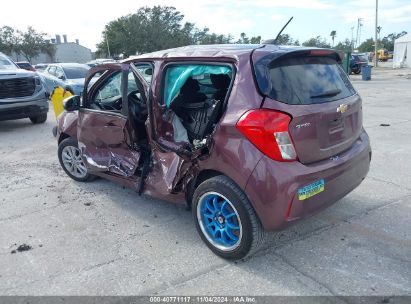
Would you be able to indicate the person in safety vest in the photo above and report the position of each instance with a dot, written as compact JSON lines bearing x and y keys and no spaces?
{"x":57,"y":97}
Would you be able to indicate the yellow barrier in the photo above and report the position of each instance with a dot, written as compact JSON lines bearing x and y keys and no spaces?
{"x":57,"y":97}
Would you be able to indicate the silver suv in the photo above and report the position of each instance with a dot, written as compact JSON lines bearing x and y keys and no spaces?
{"x":22,"y":94}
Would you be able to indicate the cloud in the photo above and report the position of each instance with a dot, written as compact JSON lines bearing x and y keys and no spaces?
{"x":385,"y":15}
{"x":307,"y":4}
{"x":277,"y":17}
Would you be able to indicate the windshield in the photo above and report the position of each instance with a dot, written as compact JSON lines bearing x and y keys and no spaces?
{"x":6,"y":64}
{"x":24,"y":65}
{"x":308,"y":80}
{"x":363,"y":58}
{"x":76,"y":72}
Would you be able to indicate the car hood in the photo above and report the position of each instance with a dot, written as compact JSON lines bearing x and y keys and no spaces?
{"x":75,"y":82}
{"x":16,"y":73}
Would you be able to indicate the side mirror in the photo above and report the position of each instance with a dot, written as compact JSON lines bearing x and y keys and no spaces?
{"x":62,"y":77}
{"x":72,"y":103}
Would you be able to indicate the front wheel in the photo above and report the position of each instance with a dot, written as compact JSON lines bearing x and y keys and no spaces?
{"x":70,"y":160}
{"x":39,"y":118}
{"x":225,"y":219}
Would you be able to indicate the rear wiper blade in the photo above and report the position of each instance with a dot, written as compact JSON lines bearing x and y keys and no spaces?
{"x":327,"y":93}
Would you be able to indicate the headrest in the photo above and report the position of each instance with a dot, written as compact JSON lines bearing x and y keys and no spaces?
{"x":220,"y":81}
{"x":191,"y":86}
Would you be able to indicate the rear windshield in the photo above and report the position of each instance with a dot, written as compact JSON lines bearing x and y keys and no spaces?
{"x":308,"y":80}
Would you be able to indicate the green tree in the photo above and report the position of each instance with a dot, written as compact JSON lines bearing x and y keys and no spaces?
{"x":147,"y":30}
{"x":151,"y":29}
{"x":333,"y":34}
{"x":32,"y":43}
{"x":366,"y":46}
{"x":9,"y":40}
{"x":156,"y":28}
{"x":388,"y":41}
{"x":29,"y":43}
{"x":285,"y":39}
{"x":245,"y":40}
{"x":317,"y":42}
{"x":345,"y":45}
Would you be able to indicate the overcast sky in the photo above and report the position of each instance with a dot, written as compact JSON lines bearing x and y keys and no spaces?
{"x":85,"y":19}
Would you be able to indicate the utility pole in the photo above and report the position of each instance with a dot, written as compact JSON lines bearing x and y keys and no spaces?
{"x":358,"y":37}
{"x":108,"y":47}
{"x":376,"y":35}
{"x":352,"y":38}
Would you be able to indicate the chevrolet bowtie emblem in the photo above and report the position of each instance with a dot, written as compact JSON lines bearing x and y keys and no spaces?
{"x":342,"y":108}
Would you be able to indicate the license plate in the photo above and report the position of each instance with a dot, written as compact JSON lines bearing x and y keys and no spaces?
{"x":311,"y":190}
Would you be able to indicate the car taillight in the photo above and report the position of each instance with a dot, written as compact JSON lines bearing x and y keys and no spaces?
{"x":268,"y":131}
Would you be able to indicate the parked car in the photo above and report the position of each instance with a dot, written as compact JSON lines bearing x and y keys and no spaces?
{"x":40,"y":67}
{"x":22,"y":94}
{"x":251,"y":138}
{"x":25,"y":65}
{"x":99,"y":61}
{"x":356,"y":62}
{"x":67,"y":75}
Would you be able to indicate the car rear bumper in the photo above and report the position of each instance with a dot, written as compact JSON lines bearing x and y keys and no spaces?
{"x":273,"y":186}
{"x":23,"y":109}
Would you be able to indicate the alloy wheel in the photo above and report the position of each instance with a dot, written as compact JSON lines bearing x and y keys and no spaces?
{"x":219,"y":221}
{"x":73,"y":162}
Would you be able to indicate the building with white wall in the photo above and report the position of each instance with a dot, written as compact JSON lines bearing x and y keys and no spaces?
{"x":65,"y":52}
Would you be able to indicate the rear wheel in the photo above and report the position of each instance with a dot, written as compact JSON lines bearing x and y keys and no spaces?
{"x":225,"y":219}
{"x":39,"y":118}
{"x":70,"y":160}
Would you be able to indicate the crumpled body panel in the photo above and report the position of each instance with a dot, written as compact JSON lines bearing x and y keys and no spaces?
{"x":102,"y":142}
{"x":112,"y":161}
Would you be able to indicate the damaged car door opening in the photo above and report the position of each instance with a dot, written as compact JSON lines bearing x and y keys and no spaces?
{"x":217,"y":128}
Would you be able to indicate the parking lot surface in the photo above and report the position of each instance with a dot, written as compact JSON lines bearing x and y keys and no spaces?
{"x":99,"y":238}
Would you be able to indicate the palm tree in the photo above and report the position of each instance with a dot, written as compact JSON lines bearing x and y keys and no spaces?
{"x":333,"y":35}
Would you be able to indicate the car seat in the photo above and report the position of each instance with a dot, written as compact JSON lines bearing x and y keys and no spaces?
{"x":138,"y":114}
{"x":197,"y":114}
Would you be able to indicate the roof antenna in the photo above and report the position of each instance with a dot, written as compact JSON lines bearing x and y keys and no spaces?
{"x":274,"y":41}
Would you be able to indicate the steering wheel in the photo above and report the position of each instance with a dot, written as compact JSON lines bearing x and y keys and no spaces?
{"x":132,"y":96}
{"x":115,"y":105}
{"x":118,"y":104}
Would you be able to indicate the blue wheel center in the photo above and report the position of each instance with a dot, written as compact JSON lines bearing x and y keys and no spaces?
{"x":220,"y":220}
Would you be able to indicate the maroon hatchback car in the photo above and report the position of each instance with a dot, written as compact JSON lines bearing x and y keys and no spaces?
{"x":251,"y":137}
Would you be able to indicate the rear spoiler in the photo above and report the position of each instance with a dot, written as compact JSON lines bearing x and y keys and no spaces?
{"x":286,"y":53}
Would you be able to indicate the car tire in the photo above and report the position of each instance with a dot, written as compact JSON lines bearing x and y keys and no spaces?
{"x":42,"y":118}
{"x":357,"y":71}
{"x":69,"y":153}
{"x":226,"y":240}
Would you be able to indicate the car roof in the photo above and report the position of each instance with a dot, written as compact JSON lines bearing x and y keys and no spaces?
{"x":69,"y":65}
{"x":219,"y":50}
{"x":215,"y":50}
